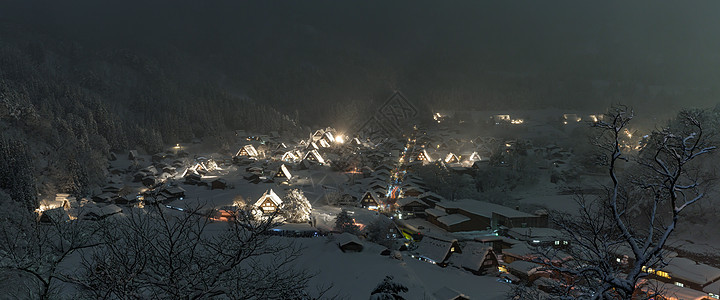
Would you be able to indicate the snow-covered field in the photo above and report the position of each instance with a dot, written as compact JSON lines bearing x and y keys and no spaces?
{"x":355,"y":275}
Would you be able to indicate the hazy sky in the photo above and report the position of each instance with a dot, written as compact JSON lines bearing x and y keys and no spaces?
{"x":658,"y":51}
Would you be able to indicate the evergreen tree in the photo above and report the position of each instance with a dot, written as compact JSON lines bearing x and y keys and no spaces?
{"x":296,"y":207}
{"x":345,"y":223}
{"x":388,"y":290}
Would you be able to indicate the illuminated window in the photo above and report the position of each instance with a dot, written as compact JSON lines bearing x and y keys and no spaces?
{"x":619,"y":260}
{"x":557,"y":242}
{"x":680,"y":284}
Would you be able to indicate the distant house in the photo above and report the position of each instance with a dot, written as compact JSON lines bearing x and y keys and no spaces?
{"x":423,"y":156}
{"x":483,"y":215}
{"x":104,"y":197}
{"x":95,"y":212}
{"x":218,"y":184}
{"x":349,"y":242}
{"x":348,"y":200}
{"x":431,"y":198}
{"x":436,"y":250}
{"x":247,"y":150}
{"x":283,"y":173}
{"x":369,"y":201}
{"x":475,"y":157}
{"x":269,"y":202}
{"x":544,"y":237}
{"x":128,"y":199}
{"x":173,"y":193}
{"x":314,"y":155}
{"x":451,"y":158}
{"x":289,"y":156}
{"x":687,"y":273}
{"x":324,"y":144}
{"x":328,"y":137}
{"x":133,"y":154}
{"x":412,"y":191}
{"x":479,"y":259}
{"x":446,"y":293}
{"x":317,"y":135}
{"x":411,"y":206}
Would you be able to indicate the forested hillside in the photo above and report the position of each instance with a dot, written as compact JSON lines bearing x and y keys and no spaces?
{"x":64,"y":107}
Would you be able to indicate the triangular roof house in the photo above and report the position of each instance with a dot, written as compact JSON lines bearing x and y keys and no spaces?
{"x":269,"y":202}
{"x":369,"y":201}
{"x":283,"y":172}
{"x":436,"y":251}
{"x":324,"y":143}
{"x":451,"y":158}
{"x":289,"y":156}
{"x":423,"y":155}
{"x":317,"y":135}
{"x":314,"y":155}
{"x":328,"y":137}
{"x":247,"y":150}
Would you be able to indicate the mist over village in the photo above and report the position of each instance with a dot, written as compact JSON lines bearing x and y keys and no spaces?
{"x":377,"y":150}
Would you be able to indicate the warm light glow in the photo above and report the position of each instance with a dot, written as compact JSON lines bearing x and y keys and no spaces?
{"x":517,"y":121}
{"x":339,"y":139}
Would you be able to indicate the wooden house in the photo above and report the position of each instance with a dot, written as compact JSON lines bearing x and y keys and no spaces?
{"x":349,"y":243}
{"x":370,"y":201}
{"x":248,"y":151}
{"x":314,"y":155}
{"x":269,"y":202}
{"x":283,"y":173}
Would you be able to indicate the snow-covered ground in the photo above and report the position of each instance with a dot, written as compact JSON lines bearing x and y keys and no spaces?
{"x":356,"y":274}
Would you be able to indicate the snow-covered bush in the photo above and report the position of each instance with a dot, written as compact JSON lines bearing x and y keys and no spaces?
{"x":388,"y":290}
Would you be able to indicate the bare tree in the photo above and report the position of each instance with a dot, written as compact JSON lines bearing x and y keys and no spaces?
{"x":618,"y":237}
{"x":36,"y":253}
{"x":167,"y":254}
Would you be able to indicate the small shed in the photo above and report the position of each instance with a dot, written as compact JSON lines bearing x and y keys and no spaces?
{"x":349,"y":243}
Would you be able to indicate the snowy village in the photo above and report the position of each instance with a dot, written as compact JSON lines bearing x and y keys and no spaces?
{"x":365,"y":208}
{"x":383,"y":150}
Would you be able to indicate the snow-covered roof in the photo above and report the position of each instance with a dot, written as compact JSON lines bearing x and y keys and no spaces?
{"x":446,"y":293}
{"x":324,"y":144}
{"x":347,"y":238}
{"x":454,"y":219}
{"x":534,"y":232}
{"x":269,"y":194}
{"x":680,"y":267}
{"x":474,"y":255}
{"x":673,"y":291}
{"x":316,"y":155}
{"x":435,"y":212}
{"x":434,"y":249}
{"x":485,"y":209}
{"x":249,"y":149}
{"x":713,"y":288}
{"x":285,"y":171}
{"x":408,"y":200}
{"x":523,"y":266}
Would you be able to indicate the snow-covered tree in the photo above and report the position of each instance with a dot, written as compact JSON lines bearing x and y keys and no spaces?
{"x":345,"y":223}
{"x":615,"y":237}
{"x":32,"y":253}
{"x":388,"y":290}
{"x":159,"y":253}
{"x":378,"y":231}
{"x":296,"y":207}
